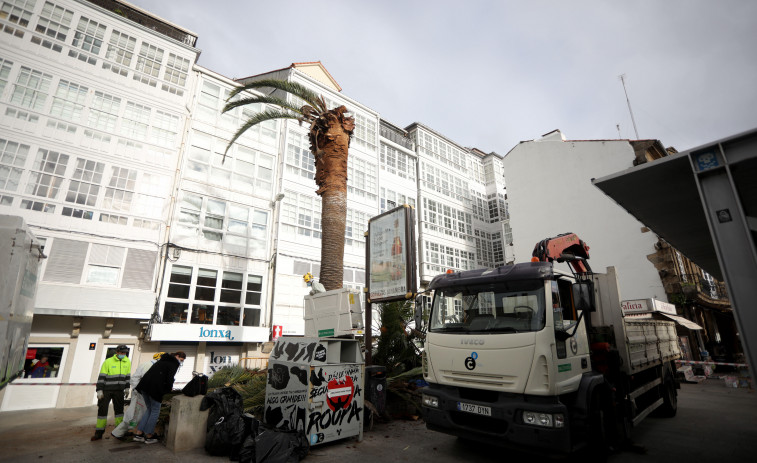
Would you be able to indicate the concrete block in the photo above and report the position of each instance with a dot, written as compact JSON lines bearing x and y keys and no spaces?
{"x":187,"y":425}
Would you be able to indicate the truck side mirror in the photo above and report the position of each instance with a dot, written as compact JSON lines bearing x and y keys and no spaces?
{"x":418,"y":316}
{"x":583,"y":296}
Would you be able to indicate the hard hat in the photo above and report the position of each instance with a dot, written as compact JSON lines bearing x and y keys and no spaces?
{"x":158,"y":355}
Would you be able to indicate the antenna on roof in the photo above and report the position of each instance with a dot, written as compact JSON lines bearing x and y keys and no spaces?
{"x":622,"y":80}
{"x":617,"y":126}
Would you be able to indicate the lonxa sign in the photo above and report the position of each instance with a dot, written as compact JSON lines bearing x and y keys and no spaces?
{"x":207,"y":333}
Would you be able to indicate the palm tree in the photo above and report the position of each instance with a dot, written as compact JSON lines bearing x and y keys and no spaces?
{"x":329,"y":135}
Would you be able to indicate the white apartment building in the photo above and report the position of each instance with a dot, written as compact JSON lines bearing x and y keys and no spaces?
{"x":111,"y":148}
{"x":562,"y":199}
{"x":92,"y":117}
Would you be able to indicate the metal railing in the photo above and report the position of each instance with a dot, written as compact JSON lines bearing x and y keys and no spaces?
{"x":696,"y":284}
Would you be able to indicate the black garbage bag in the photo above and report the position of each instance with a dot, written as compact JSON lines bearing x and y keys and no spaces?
{"x":270,"y":445}
{"x":279,"y":446}
{"x":226,"y":424}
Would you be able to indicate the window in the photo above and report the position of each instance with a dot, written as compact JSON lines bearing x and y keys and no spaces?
{"x":365,"y":132}
{"x":241,"y":230}
{"x":301,"y":215}
{"x":215,"y":297}
{"x":38,"y":206}
{"x":115,"y":219}
{"x":176,"y":74}
{"x":105,"y":263}
{"x":85,"y":183}
{"x":252,"y":297}
{"x":89,"y":37}
{"x":43,"y":361}
{"x":12,"y":159}
{"x":97,"y":141}
{"x":31,"y":88}
{"x":391,"y":199}
{"x":5,"y":70}
{"x":54,"y":22}
{"x":299,"y":159}
{"x":135,"y":121}
{"x":148,"y":62}
{"x":361,"y":178}
{"x":120,"y":51}
{"x":103,"y":112}
{"x":120,"y":191}
{"x":47,"y":174}
{"x":68,"y":101}
{"x":164,"y":129}
{"x":148,"y":224}
{"x":397,"y":162}
{"x":208,"y":102}
{"x":17,"y":12}
{"x":356,"y":225}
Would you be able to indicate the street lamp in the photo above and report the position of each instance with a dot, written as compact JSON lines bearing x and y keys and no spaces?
{"x":274,"y":256}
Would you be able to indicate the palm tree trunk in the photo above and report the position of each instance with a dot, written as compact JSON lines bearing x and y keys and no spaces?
{"x":330,"y":142}
{"x":333,"y":223}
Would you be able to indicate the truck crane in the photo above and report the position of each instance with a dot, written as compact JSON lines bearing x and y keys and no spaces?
{"x":529,"y":356}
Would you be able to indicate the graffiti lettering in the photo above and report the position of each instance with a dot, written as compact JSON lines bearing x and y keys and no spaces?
{"x":317,"y":391}
{"x":323,"y":420}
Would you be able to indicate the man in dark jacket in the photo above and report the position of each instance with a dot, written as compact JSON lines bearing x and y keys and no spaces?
{"x":157,"y":381}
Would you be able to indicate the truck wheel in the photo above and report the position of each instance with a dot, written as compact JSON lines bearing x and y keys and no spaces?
{"x":669,"y":394}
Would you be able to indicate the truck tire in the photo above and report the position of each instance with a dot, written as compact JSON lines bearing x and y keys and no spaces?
{"x":669,"y":395}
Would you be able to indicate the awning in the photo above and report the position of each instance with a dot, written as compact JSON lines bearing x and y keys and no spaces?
{"x":681,"y":321}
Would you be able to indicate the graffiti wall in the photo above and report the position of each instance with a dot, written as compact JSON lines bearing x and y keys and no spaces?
{"x":304,"y":392}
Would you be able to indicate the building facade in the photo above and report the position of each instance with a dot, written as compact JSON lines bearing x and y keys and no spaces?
{"x":561,"y":199}
{"x":113,"y":149}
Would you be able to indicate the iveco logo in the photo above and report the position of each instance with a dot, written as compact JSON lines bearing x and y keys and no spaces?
{"x":475,"y":342}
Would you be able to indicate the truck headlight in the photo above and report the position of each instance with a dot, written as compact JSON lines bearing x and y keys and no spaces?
{"x":430,"y":401}
{"x":544,"y":420}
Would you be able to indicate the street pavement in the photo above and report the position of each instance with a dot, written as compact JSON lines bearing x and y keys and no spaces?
{"x":714,"y":423}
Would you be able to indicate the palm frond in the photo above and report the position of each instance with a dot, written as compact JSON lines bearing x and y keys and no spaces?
{"x":266,"y":115}
{"x":293,"y":88}
{"x":263,"y":100}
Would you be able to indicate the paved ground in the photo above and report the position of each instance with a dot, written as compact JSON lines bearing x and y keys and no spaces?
{"x":714,"y":423}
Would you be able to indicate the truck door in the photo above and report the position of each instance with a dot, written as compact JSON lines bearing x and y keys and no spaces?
{"x":572,"y":354}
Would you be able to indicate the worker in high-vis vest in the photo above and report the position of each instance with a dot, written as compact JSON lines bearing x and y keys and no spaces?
{"x":112,"y":384}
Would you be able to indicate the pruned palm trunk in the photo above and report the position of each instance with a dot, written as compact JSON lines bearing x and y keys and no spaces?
{"x":330,"y":133}
{"x":330,"y":141}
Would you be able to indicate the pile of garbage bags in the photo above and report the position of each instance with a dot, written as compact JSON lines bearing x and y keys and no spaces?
{"x":232,"y":432}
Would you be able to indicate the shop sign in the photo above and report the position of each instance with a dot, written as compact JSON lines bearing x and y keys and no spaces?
{"x":212,"y":333}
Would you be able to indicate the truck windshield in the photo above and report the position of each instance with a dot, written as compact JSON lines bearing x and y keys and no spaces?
{"x":513,"y":308}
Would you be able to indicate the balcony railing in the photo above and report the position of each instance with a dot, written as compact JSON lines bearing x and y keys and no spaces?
{"x":693,"y":285}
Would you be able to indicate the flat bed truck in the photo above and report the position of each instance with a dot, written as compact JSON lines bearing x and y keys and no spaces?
{"x":528,"y":356}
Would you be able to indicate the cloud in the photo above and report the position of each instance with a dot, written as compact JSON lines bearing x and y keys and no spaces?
{"x":489,"y":74}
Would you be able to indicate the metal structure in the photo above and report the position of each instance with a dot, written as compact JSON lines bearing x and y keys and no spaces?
{"x":704,"y":203}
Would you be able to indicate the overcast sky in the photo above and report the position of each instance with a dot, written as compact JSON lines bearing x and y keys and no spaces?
{"x":492,"y":73}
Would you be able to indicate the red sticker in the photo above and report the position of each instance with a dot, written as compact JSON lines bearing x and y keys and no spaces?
{"x":339,"y":393}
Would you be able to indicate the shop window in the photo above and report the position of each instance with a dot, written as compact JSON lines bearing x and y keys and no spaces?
{"x":213,"y":300}
{"x":175,"y":312}
{"x":228,"y":316}
{"x":251,"y":317}
{"x":43,"y":361}
{"x":202,"y":314}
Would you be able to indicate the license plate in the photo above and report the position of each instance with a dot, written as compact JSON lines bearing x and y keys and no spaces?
{"x":475,"y":409}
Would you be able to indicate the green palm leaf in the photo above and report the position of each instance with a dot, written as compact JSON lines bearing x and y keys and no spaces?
{"x":266,"y":115}
{"x":293,"y":88}
{"x":263,"y":100}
